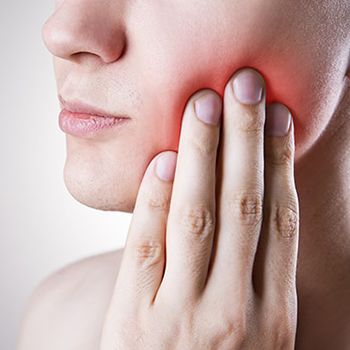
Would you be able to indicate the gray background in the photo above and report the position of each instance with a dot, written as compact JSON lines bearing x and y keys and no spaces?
{"x":41,"y":227}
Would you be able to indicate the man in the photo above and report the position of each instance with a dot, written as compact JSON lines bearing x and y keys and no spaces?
{"x":125,"y":71}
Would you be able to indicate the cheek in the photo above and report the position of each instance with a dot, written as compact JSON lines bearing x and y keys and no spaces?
{"x":302,"y":59}
{"x":301,"y":74}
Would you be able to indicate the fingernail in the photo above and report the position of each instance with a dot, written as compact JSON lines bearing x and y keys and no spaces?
{"x":248,"y":87}
{"x":208,"y":108}
{"x":165,"y":167}
{"x":278,"y":120}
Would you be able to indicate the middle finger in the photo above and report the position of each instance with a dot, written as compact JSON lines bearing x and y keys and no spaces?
{"x":240,"y":183}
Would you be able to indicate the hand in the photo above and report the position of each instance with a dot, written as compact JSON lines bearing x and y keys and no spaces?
{"x":210,"y":258}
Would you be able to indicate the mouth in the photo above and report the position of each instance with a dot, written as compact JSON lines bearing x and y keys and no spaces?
{"x":85,"y":121}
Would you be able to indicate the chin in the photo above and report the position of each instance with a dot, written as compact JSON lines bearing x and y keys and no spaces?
{"x":98,"y":190}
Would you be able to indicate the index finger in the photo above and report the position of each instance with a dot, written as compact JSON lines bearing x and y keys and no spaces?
{"x":191,"y":220}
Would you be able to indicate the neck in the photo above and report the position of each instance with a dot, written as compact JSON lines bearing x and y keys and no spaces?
{"x":323,"y":279}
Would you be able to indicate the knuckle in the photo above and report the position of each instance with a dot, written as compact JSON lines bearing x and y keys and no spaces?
{"x":240,"y":333}
{"x":285,"y":219}
{"x":280,"y":154}
{"x":283,"y":334}
{"x":147,"y":252}
{"x":251,"y":122}
{"x":158,"y":200}
{"x":281,"y":323}
{"x":197,"y":220}
{"x":230,"y":333}
{"x":204,"y":144}
{"x":246,"y":209}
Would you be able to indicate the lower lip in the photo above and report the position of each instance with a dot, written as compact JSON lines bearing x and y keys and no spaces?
{"x":84,"y":125}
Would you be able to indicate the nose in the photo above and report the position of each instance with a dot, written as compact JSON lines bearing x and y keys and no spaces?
{"x":86,"y":27}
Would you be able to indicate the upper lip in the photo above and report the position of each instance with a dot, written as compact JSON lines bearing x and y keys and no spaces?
{"x":77,"y":106}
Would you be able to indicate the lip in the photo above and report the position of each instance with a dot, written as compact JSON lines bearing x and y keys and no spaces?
{"x":81,"y":120}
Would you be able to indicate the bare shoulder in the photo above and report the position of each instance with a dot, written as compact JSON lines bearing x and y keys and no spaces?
{"x":67,"y":309}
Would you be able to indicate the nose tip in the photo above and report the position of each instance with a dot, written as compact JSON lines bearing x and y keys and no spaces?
{"x":55,"y":40}
{"x":68,"y":36}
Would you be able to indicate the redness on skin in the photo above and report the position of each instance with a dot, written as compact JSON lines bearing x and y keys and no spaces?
{"x":158,"y":54}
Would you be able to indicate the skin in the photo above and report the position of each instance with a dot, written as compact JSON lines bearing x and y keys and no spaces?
{"x":221,"y":305}
{"x":153,"y":57}
{"x":146,"y":59}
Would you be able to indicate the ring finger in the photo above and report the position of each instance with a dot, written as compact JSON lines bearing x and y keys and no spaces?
{"x":276,"y":258}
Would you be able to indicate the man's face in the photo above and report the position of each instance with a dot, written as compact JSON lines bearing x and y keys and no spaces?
{"x":144,"y":59}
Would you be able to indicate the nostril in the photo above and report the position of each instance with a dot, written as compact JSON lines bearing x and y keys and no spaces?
{"x":114,"y":49}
